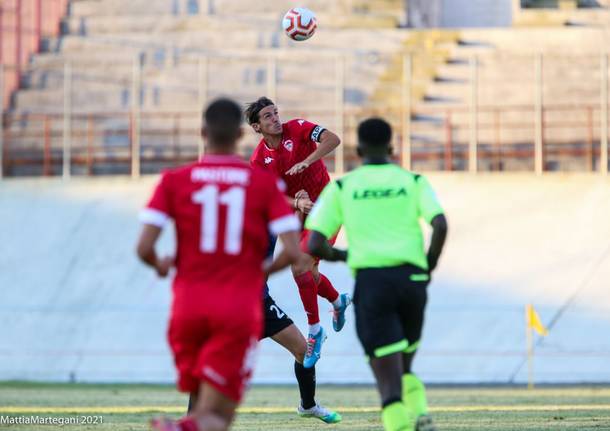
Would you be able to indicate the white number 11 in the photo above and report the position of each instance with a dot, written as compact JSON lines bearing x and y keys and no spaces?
{"x":210,"y":200}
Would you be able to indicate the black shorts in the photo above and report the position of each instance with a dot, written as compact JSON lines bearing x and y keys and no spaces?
{"x":389,"y":306}
{"x":275,"y":318}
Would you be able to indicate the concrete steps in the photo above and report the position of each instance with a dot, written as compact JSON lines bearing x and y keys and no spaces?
{"x":96,"y":25}
{"x":179,"y":7}
{"x":506,"y":73}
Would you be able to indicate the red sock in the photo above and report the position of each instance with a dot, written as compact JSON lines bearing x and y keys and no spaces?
{"x":326,"y":289}
{"x":188,"y":424}
{"x":308,"y":290}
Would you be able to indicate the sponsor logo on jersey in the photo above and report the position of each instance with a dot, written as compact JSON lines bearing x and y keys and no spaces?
{"x":315,"y":133}
{"x":379,"y":194}
{"x":268,"y":160}
{"x":300,"y":122}
{"x":288,"y":145}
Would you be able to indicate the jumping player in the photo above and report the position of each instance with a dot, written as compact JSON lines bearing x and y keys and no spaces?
{"x":294,"y":152}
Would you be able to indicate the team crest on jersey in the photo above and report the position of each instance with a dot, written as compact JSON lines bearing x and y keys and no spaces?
{"x":288,"y":145}
{"x":268,"y":160}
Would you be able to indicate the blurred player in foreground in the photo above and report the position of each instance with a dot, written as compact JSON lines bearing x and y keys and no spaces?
{"x":291,"y":151}
{"x":222,"y":210}
{"x":380,"y":205}
{"x":280,"y":328}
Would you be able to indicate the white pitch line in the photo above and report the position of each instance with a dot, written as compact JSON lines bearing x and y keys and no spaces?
{"x":272,"y":410}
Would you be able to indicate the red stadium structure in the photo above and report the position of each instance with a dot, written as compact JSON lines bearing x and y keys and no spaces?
{"x":23,"y":24}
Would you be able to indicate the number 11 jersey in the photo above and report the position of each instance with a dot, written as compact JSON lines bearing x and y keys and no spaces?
{"x":223,"y":211}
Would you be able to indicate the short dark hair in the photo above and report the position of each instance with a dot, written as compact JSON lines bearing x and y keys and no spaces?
{"x":223,"y":119}
{"x":254,"y":108}
{"x":374,"y":132}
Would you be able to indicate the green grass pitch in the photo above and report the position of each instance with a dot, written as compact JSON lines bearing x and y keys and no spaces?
{"x":129,"y":407}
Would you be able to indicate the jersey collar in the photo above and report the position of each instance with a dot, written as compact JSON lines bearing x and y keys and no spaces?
{"x":220,"y":158}
{"x":376,"y":161}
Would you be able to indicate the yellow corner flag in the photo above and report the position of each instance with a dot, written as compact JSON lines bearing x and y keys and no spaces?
{"x":533,"y":321}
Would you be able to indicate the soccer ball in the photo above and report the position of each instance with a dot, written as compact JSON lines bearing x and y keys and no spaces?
{"x":299,"y":23}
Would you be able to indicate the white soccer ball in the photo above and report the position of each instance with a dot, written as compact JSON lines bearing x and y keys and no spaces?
{"x":299,"y":23}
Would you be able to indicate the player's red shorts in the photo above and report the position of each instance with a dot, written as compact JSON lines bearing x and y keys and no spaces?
{"x":217,"y":347}
{"x":305,"y":234}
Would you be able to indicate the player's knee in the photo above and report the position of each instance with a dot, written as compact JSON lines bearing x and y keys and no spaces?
{"x":303,"y":266}
{"x":299,"y":351}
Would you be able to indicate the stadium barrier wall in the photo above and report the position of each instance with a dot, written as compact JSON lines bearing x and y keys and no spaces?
{"x":77,"y":305}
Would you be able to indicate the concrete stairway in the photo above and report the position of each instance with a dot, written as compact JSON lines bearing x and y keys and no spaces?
{"x":506,"y":75}
{"x":104,"y":39}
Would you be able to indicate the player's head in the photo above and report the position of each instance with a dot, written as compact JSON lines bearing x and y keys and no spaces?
{"x":374,"y":138}
{"x":263,"y":116}
{"x":222,"y":122}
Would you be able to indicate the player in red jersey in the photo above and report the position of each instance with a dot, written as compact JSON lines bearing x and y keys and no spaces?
{"x":294,"y":152}
{"x":223,"y":210}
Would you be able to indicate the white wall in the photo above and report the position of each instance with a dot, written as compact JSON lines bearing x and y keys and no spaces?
{"x":476,"y":13}
{"x":76,"y":304}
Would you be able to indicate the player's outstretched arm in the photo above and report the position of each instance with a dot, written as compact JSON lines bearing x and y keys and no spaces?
{"x":289,"y":255}
{"x":146,"y":250}
{"x":437,"y":241}
{"x":319,"y":246}
{"x":328,"y":142}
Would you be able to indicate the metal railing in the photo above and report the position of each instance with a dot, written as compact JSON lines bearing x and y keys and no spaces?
{"x":134,"y":142}
{"x":528,"y":133}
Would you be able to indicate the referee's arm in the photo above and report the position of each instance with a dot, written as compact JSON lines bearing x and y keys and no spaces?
{"x":325,"y":219}
{"x":431,"y":211}
{"x":319,"y":247}
{"x":437,"y":241}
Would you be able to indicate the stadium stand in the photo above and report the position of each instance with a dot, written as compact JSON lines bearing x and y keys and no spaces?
{"x":104,"y":39}
{"x":24,"y":28}
{"x":506,"y":69}
{"x":165,"y":63}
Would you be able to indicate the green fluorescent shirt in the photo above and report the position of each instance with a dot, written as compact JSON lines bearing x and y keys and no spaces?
{"x":380,"y":207}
